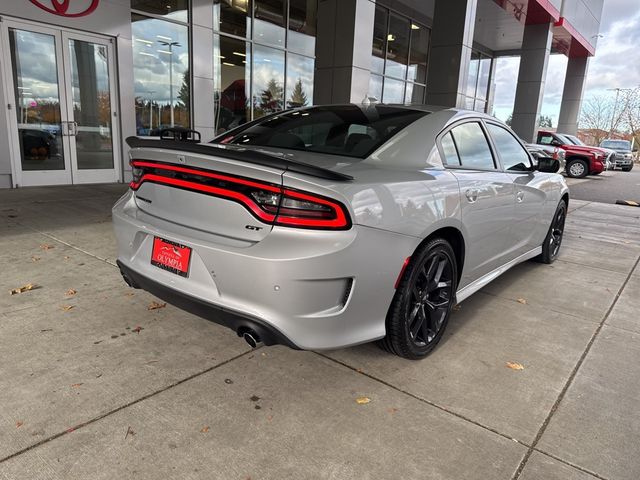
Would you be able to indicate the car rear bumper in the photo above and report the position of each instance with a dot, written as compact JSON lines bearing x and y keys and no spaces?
{"x":304,"y":288}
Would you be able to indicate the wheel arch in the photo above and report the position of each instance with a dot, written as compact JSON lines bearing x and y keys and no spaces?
{"x":456,"y":239}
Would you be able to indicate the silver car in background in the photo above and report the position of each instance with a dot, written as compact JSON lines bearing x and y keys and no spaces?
{"x":331,"y":226}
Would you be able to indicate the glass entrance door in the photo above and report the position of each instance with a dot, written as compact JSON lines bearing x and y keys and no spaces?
{"x":61,"y":90}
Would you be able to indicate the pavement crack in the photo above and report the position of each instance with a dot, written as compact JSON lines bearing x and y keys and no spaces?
{"x":126,"y":405}
{"x":424,"y":400}
{"x":569,"y":381}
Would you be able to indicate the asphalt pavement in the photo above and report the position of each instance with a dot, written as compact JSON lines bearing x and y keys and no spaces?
{"x":607,"y":187}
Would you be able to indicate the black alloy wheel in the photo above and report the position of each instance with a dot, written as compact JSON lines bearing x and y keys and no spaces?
{"x":553,"y":241}
{"x":423,"y":301}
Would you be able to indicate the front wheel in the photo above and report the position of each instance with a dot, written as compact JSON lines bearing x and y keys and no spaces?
{"x":577,"y":168}
{"x":553,"y":240}
{"x":423,"y":301}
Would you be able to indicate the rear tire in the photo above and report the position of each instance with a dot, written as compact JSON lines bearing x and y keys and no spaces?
{"x":553,"y":240}
{"x":577,"y":168}
{"x":626,"y":169}
{"x":422,"y":304}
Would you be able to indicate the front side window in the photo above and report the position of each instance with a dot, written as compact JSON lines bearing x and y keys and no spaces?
{"x":473,"y":148}
{"x":514,"y":157}
{"x":339,"y":130}
{"x":545,"y":139}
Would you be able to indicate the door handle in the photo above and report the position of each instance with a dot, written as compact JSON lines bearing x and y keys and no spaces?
{"x":520,"y":196}
{"x":73,"y":129}
{"x":472,"y":195}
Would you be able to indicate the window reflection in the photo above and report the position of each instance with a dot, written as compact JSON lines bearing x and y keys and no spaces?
{"x":299,"y":81}
{"x":269,"y":22}
{"x":302,"y":26}
{"x":393,"y":91}
{"x":473,"y":74}
{"x":232,"y":16}
{"x":231,"y":63}
{"x":173,"y":9}
{"x":419,"y":53}
{"x":483,"y":78}
{"x":375,"y":86}
{"x":161,"y":74}
{"x":397,"y":47}
{"x":414,"y":94}
{"x":379,"y":40}
{"x":268,"y":80}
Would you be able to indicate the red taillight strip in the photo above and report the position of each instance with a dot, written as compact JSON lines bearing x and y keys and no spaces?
{"x":340,"y":222}
{"x":218,"y":192}
{"x":402,"y":270}
{"x":202,"y":173}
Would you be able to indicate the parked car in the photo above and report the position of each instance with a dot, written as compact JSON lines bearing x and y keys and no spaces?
{"x":623,"y":153}
{"x":609,"y":154}
{"x":581,"y":160}
{"x":331,"y":226}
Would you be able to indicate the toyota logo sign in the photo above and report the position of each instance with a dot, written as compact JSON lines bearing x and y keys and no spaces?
{"x":61,"y":7}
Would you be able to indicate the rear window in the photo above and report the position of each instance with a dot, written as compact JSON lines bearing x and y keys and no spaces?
{"x":616,"y":144}
{"x":347,"y":130}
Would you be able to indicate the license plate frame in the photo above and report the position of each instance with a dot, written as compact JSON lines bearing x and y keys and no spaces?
{"x":171,"y":256}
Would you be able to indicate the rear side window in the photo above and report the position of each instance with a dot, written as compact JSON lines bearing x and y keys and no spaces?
{"x":514,"y":157}
{"x":347,"y":130}
{"x":449,"y":149}
{"x":473,"y":148}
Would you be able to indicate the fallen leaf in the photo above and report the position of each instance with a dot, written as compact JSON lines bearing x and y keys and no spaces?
{"x":523,"y":301}
{"x":363,"y":400}
{"x":515,"y":366}
{"x":22,"y":289}
{"x":66,"y":257}
{"x":155,"y":305}
{"x":129,"y":432}
{"x":392,"y":410}
{"x":19,"y":424}
{"x":204,"y":429}
{"x":46,"y":246}
{"x":130,"y":294}
{"x":254,"y":398}
{"x":34,"y":258}
{"x":66,"y":308}
{"x":137,"y":329}
{"x":76,"y":385}
{"x":71,"y":292}
{"x":456,"y":307}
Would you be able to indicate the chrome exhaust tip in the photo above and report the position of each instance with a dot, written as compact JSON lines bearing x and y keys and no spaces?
{"x":252,"y":339}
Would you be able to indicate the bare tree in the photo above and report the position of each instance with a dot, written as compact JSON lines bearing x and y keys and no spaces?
{"x":597,"y":115}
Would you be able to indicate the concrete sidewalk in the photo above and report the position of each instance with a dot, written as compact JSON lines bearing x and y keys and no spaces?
{"x":95,"y":385}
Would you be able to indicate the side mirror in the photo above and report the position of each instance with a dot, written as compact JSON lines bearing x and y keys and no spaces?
{"x":548,"y":165}
{"x":635,"y":149}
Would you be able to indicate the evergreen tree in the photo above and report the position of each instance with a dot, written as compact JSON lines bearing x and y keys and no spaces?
{"x":298,"y":97}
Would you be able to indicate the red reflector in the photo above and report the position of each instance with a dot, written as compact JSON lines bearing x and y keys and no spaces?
{"x":404,"y":267}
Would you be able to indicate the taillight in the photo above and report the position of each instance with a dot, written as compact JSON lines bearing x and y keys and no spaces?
{"x":269,"y":203}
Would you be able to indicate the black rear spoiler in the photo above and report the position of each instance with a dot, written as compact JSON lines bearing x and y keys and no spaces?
{"x":239,"y":153}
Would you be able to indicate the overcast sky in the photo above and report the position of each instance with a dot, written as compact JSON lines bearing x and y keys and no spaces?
{"x":614,"y":64}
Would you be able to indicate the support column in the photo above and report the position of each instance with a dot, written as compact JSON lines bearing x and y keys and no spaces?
{"x":572,"y":95}
{"x":536,"y":47}
{"x":450,"y":55}
{"x":343,"y":51}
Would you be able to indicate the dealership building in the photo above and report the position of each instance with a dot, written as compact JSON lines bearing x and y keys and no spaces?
{"x":77,"y":77}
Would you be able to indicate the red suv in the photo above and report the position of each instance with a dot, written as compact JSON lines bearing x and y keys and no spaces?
{"x":581,"y":160}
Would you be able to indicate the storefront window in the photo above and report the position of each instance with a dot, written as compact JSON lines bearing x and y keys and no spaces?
{"x":414,"y":94}
{"x":397,"y":47}
{"x":478,"y":82}
{"x":379,"y":40}
{"x":400,"y":52}
{"x":232,"y":66}
{"x":419,"y":53}
{"x":268,"y":80}
{"x":172,"y":9}
{"x":375,"y":86}
{"x":161,"y":74}
{"x":232,"y":16}
{"x":472,"y":82}
{"x":299,"y":81}
{"x":483,"y":78}
{"x":302,"y":26}
{"x":393,"y":91}
{"x":269,"y":21}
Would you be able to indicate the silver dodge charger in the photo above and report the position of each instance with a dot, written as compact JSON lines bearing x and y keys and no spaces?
{"x":330,"y":226}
